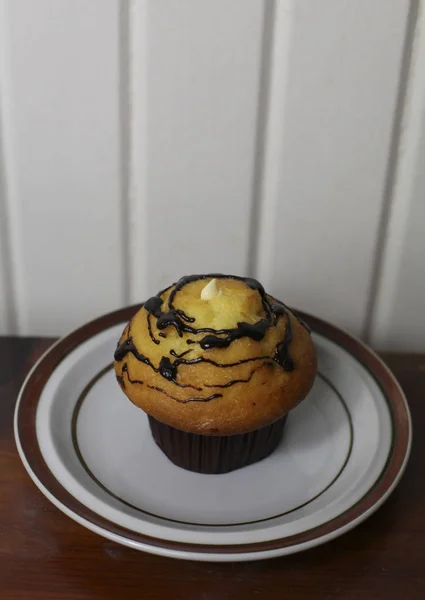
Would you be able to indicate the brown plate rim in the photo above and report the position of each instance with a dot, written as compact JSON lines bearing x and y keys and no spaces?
{"x":26,"y":440}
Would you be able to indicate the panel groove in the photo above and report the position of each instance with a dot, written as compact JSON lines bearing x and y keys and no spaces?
{"x":7,"y":300}
{"x":137,"y":153}
{"x":263,"y":107}
{"x":271,"y":142}
{"x":392,"y":171}
{"x":125,"y":147}
{"x":10,"y":256}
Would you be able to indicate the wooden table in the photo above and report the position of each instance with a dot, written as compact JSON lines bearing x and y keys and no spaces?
{"x":44,"y":554}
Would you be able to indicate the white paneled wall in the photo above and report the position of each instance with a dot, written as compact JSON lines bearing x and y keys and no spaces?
{"x":141,"y":140}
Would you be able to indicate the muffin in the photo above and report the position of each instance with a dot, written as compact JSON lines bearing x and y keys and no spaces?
{"x":217,"y":364}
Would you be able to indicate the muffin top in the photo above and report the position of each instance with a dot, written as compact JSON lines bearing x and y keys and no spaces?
{"x":215,"y":355}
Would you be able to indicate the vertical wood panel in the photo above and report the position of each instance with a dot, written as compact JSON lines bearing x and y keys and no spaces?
{"x":196,"y":76}
{"x":334,"y":83}
{"x":398,"y":321}
{"x":63,"y":65}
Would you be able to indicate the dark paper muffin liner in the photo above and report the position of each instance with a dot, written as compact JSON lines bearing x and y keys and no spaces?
{"x":216,"y":453}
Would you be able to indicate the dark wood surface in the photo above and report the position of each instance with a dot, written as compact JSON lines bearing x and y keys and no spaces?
{"x":44,"y":554}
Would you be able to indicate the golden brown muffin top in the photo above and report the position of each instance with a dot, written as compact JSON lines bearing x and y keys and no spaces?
{"x":214,"y":354}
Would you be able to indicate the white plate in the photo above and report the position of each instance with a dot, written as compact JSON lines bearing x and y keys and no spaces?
{"x":90,"y":451}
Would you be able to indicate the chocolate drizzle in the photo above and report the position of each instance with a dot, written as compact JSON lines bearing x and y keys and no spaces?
{"x":186,"y":400}
{"x":174,"y":353}
{"x":282,"y":350}
{"x":121,"y":380}
{"x":153,"y":338}
{"x":127,"y":347}
{"x":177,"y":318}
{"x":170,"y":316}
{"x":230,"y":383}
